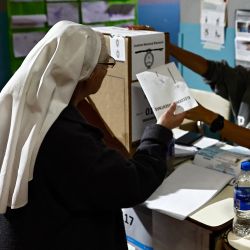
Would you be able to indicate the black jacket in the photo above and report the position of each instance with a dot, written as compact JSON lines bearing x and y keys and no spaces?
{"x":232,"y":84}
{"x":79,"y":187}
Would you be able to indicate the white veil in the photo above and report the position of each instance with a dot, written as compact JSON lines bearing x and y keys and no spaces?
{"x":34,"y":97}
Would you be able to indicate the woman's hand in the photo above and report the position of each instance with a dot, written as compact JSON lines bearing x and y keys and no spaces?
{"x":169,"y":119}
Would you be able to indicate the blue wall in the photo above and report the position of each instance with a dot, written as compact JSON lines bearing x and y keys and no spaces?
{"x":189,"y":39}
{"x":163,"y":15}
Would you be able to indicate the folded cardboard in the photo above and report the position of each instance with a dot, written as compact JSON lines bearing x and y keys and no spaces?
{"x":147,"y":47}
{"x":114,"y":99}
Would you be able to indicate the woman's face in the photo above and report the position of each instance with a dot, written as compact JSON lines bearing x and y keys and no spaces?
{"x":94,"y":82}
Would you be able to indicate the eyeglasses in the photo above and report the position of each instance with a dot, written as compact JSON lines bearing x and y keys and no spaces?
{"x":110,"y":63}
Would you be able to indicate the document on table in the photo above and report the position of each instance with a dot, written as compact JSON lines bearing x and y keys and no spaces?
{"x":219,"y":159}
{"x":187,"y":189}
{"x":182,"y":151}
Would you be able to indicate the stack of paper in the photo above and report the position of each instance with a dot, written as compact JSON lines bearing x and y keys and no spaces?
{"x":187,"y":189}
{"x":182,"y":151}
{"x":221,"y":160}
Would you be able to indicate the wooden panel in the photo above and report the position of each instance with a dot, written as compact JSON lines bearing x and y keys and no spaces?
{"x":111,"y":101}
{"x":170,"y":233}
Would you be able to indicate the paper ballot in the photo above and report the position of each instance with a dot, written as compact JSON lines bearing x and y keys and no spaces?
{"x":164,"y":85}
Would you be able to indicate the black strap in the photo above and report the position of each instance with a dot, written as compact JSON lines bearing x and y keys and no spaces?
{"x":217,"y":124}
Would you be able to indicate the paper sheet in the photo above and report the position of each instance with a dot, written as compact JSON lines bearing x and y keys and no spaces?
{"x":26,"y":21}
{"x":24,"y":42}
{"x":62,"y":11}
{"x":213,"y":21}
{"x":162,"y":86}
{"x":242,"y":38}
{"x":187,"y":189}
{"x":181,"y":151}
{"x":93,"y":12}
{"x":205,"y":142}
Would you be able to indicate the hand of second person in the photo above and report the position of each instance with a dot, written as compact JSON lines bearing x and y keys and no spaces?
{"x":195,"y":114}
{"x":141,"y":27}
{"x":200,"y":113}
{"x":169,"y":119}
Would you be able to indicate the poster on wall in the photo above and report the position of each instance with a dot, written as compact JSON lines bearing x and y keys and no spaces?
{"x":93,"y":12}
{"x":101,"y":11}
{"x":62,"y":11}
{"x":24,"y":42}
{"x":28,"y":21}
{"x":213,"y":22}
{"x":242,"y":49}
{"x":242,"y":38}
{"x":121,"y":12}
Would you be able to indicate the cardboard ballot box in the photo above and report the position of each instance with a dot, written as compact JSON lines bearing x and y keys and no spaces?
{"x":134,"y":52}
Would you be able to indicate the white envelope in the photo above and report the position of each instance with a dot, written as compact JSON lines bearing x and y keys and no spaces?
{"x":164,"y":85}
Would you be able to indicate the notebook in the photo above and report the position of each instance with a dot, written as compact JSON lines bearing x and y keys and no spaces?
{"x":186,"y":190}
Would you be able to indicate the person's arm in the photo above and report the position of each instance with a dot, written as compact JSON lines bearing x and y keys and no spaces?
{"x":100,"y":177}
{"x":230,"y":131}
{"x":191,"y":60}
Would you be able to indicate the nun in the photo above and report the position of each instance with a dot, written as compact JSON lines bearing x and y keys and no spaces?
{"x":61,"y":186}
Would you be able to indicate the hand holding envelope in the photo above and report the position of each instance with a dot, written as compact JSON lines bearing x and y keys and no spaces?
{"x":164,"y":85}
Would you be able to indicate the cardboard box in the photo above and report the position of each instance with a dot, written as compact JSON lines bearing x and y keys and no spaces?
{"x":146,"y":48}
{"x":135,"y":51}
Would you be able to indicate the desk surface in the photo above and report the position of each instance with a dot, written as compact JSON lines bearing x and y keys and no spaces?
{"x":239,"y":243}
{"x":218,"y":212}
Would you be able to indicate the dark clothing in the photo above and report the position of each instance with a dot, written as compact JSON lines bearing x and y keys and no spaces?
{"x":79,"y":187}
{"x":234,"y":85}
